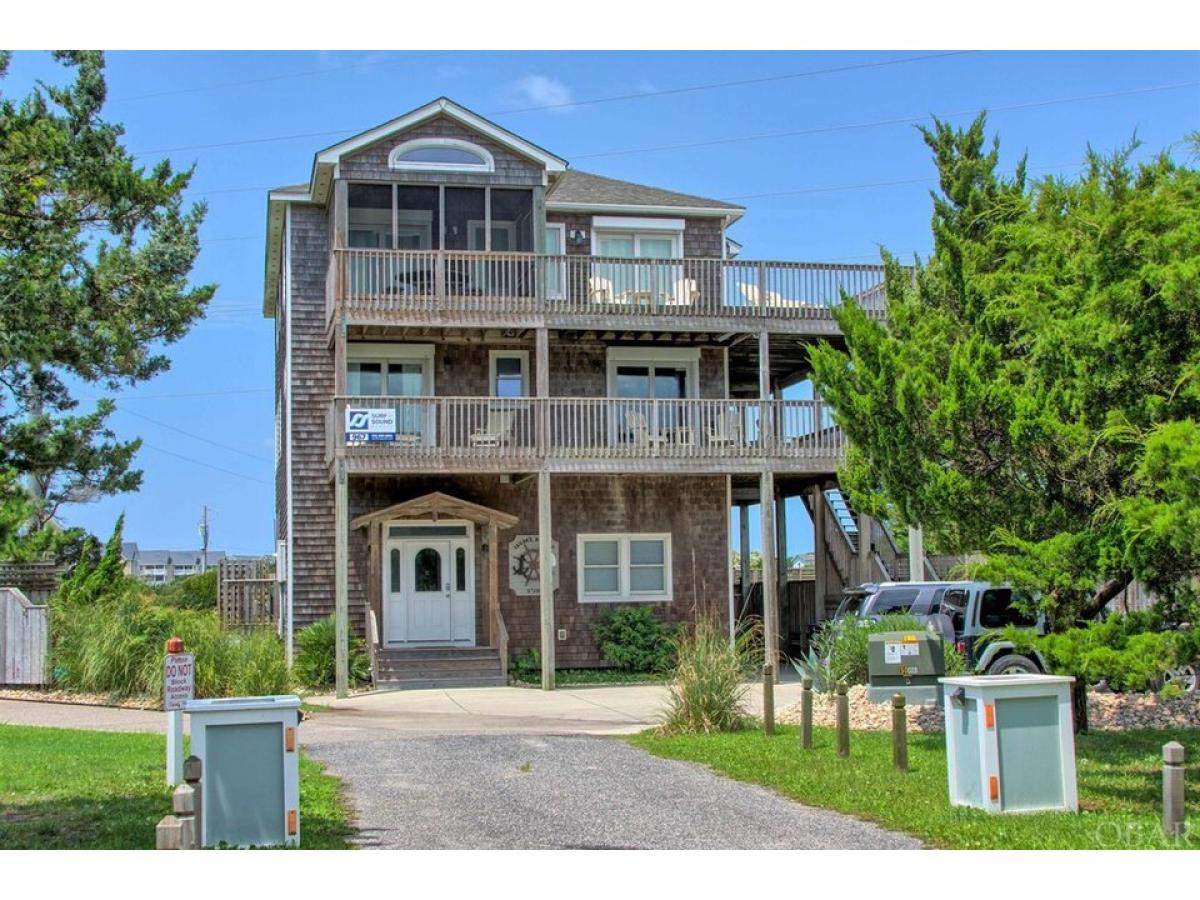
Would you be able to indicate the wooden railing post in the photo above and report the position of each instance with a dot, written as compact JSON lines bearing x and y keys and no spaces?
{"x":768,"y":675}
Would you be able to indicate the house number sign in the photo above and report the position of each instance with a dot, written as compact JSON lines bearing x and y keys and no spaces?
{"x":524,"y":565}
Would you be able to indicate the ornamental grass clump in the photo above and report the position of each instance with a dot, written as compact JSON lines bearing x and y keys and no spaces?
{"x":708,"y":684}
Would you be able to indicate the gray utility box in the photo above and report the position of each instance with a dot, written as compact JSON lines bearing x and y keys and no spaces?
{"x":904,"y":662}
{"x":250,"y":780}
{"x":1010,"y":742}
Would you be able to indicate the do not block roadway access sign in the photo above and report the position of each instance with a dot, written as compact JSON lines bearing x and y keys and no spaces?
{"x":179,"y":680}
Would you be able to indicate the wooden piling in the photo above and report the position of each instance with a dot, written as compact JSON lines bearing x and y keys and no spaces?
{"x":1173,"y":817}
{"x":768,"y":700}
{"x":842,"y":706}
{"x":806,"y":713}
{"x":899,"y":734}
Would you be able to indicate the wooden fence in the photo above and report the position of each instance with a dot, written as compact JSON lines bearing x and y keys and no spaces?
{"x":247,"y":593}
{"x":36,"y":580}
{"x":24,"y":639}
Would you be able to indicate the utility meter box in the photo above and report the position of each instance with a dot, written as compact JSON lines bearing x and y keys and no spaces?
{"x":250,"y":778}
{"x":1010,"y":742}
{"x":904,"y":662}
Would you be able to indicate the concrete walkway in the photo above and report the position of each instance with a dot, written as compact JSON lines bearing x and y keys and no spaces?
{"x":595,"y":710}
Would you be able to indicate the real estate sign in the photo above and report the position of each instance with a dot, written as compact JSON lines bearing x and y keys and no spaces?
{"x":368,"y":425}
{"x":179,"y":680}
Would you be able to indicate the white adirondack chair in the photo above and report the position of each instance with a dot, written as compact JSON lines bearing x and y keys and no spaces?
{"x":497,"y":432}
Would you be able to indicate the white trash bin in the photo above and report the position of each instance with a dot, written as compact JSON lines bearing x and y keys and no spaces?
{"x":1010,"y":742}
{"x":250,"y":780}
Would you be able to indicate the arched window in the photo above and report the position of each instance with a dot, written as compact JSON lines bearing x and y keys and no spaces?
{"x":441,"y":155}
{"x":427,"y":570}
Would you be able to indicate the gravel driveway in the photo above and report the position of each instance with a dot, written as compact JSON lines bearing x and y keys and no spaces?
{"x":515,"y":791}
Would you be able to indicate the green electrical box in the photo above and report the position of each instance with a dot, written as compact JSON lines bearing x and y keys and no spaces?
{"x":905,"y":662}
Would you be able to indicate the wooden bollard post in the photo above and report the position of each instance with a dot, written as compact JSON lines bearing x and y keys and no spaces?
{"x":899,"y":734}
{"x":183,"y":800}
{"x":768,"y":699}
{"x":167,"y":834}
{"x":1173,"y":813}
{"x":192,"y":771}
{"x":806,"y":713}
{"x":842,"y":706}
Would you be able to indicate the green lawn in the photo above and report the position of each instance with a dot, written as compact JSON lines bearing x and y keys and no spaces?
{"x":1119,"y":786}
{"x":62,"y":789}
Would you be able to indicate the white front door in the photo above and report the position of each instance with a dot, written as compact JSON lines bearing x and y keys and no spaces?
{"x":428,"y":589}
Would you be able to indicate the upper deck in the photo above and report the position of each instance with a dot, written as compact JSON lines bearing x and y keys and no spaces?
{"x":531,"y":290}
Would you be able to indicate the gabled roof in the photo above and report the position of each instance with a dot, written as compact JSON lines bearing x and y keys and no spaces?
{"x":575,"y":190}
{"x":435,"y":505}
{"x":442,"y":106}
{"x":569,"y":191}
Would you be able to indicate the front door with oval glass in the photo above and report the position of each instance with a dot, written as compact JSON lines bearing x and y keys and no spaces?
{"x":428,"y":588}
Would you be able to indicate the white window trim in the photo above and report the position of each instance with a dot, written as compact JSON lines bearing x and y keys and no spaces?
{"x":689,"y":357}
{"x":625,"y":594}
{"x":375,"y":352}
{"x":487,"y":162}
{"x":637,"y":223}
{"x":560,"y":265}
{"x":522,"y":355}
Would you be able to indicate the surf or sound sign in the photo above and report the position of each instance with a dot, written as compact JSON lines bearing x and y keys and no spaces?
{"x":370,"y":425}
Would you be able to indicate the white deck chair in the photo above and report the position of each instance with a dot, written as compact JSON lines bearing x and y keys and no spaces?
{"x":497,"y":432}
{"x":773,"y":300}
{"x":683,"y":293}
{"x":600,"y":290}
{"x":725,"y":430}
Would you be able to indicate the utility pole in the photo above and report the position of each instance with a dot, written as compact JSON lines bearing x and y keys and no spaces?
{"x":204,"y":540}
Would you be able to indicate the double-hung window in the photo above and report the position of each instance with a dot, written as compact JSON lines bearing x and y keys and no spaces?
{"x":624,"y":568}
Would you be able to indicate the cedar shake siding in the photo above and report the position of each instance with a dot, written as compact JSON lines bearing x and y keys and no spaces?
{"x":675,"y":476}
{"x":312,"y":388}
{"x":690,"y":508}
{"x":701,"y":236}
{"x":371,"y":164}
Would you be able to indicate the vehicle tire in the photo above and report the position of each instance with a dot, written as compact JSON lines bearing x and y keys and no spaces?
{"x":1013,"y":664}
{"x":1187,"y":677}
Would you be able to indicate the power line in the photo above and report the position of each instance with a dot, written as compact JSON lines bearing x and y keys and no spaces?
{"x":329,"y":70}
{"x":725,"y":84}
{"x":589,"y":102}
{"x":906,"y":120}
{"x":194,"y":394}
{"x":197,"y":462}
{"x":196,"y":437}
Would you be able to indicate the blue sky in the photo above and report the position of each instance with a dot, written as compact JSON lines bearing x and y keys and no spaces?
{"x":208,"y":423}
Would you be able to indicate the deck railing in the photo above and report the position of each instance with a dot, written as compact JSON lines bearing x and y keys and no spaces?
{"x":379,"y":285}
{"x":525,"y":430}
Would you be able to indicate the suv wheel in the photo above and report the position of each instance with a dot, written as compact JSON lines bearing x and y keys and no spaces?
{"x":1187,"y":677}
{"x":1012,"y":664}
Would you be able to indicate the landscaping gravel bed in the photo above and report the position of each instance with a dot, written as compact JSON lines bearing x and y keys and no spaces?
{"x":1106,"y":712}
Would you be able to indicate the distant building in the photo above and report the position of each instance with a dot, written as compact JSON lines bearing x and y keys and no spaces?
{"x":164,"y":566}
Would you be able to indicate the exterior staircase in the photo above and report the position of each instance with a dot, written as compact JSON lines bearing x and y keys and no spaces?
{"x":437,"y":667}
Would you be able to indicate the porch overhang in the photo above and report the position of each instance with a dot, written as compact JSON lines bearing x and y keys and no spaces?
{"x":438,"y":505}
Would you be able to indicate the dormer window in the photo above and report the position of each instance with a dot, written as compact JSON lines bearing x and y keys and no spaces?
{"x":441,"y":155}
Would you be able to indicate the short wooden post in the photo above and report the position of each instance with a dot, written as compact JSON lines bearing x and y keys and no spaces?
{"x":899,"y":734}
{"x":183,"y":800}
{"x":768,"y":700}
{"x":842,"y":706}
{"x":192,"y":770}
{"x":167,"y":834}
{"x":1173,"y":819}
{"x":806,"y":699}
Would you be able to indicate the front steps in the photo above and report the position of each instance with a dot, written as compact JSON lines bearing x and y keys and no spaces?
{"x":416,"y":668}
